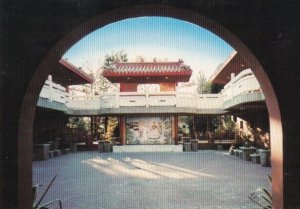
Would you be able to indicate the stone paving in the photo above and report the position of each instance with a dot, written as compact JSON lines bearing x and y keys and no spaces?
{"x":205,"y":179}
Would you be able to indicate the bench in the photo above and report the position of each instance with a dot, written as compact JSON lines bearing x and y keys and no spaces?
{"x":66,"y":151}
{"x":107,"y":147}
{"x":247,"y":151}
{"x":255,"y":158}
{"x":41,"y":151}
{"x":73,"y":147}
{"x":57,"y":152}
{"x":51,"y":154}
{"x":238,"y":153}
{"x":224,"y":143}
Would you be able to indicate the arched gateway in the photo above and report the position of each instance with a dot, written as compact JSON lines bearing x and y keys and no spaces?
{"x":21,"y":171}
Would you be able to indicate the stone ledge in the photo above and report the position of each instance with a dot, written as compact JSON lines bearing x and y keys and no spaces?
{"x":148,"y":148}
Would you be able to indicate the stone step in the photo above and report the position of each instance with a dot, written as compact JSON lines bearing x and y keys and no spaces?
{"x":148,"y":148}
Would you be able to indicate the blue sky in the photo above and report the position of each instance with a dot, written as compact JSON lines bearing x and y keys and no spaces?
{"x":152,"y":37}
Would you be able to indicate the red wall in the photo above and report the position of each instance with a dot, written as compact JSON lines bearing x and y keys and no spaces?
{"x":167,"y":86}
{"x":128,"y":87}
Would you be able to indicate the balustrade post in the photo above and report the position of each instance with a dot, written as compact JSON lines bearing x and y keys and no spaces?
{"x":68,"y":99}
{"x":117,"y":99}
{"x":147,"y":99}
{"x":195,"y":100}
{"x":231,"y":91}
{"x":176,"y":98}
{"x":50,"y":88}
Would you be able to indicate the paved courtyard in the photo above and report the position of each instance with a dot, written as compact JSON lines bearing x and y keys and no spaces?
{"x":205,"y":179}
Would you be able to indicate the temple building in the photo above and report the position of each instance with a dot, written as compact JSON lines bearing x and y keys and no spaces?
{"x":148,"y":107}
{"x":138,"y":127}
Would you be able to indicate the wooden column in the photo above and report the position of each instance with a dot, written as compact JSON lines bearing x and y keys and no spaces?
{"x":92,"y":127}
{"x":122,"y":130}
{"x":175,"y":128}
{"x":105,"y":125}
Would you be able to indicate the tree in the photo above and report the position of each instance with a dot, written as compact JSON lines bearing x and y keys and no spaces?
{"x":79,"y":123}
{"x":204,"y":87}
{"x":112,"y":128}
{"x":216,"y":88}
{"x":101,"y":83}
{"x":205,"y":123}
{"x":120,"y":56}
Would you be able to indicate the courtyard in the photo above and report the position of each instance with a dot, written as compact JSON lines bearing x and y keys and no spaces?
{"x":204,"y":179}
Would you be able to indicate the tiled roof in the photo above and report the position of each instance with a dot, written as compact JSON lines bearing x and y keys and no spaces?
{"x":148,"y":67}
{"x":148,"y":72}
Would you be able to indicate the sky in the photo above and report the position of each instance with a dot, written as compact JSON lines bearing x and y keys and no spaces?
{"x":152,"y":37}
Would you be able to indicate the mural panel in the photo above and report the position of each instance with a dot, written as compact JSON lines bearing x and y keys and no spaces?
{"x":149,"y":130}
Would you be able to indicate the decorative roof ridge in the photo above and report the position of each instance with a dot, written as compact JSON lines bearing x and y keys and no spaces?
{"x":157,"y":62}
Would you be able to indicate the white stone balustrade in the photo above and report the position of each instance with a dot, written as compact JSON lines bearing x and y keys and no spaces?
{"x":243,"y":83}
{"x":54,"y":92}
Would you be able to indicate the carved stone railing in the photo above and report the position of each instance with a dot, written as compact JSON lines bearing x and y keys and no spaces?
{"x":245,"y":82}
{"x":242,"y":84}
{"x":54,"y":93}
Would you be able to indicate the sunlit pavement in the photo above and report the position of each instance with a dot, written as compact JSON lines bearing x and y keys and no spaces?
{"x":204,"y":179}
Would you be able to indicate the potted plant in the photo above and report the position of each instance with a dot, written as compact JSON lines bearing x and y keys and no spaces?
{"x":265,"y":154}
{"x":246,"y":139}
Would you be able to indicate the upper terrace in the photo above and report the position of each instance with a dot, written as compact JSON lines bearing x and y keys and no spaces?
{"x":242,"y":89}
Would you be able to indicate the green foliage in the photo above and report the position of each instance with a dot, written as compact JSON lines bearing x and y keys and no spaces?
{"x":216,"y":88}
{"x":204,"y":87}
{"x":206,"y":123}
{"x":230,"y":126}
{"x":78,"y":123}
{"x":112,"y":128}
{"x":226,"y":125}
{"x":186,"y":126}
{"x":101,"y":83}
{"x":120,"y":56}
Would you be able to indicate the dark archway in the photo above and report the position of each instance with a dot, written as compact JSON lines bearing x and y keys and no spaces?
{"x":270,"y":29}
{"x":27,"y":117}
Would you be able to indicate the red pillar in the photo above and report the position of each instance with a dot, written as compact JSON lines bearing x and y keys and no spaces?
{"x":123,"y":130}
{"x":92,"y":127}
{"x":175,"y":126}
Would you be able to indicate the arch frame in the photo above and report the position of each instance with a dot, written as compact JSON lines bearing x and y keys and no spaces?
{"x":29,"y":103}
